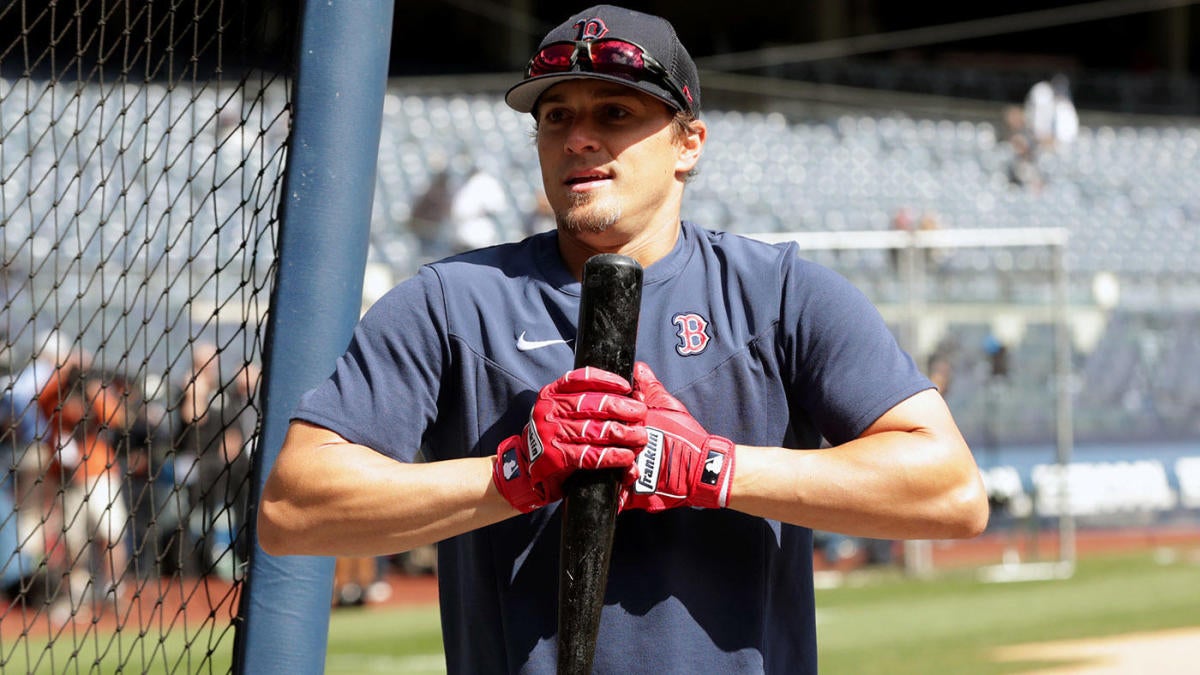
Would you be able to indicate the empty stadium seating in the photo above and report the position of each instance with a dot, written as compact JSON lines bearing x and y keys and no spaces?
{"x":1125,"y":192}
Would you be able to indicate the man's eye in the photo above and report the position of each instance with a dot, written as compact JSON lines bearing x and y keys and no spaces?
{"x":616,"y":112}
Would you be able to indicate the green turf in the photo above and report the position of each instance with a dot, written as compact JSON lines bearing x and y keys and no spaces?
{"x":83,"y":649}
{"x":878,"y":622}
{"x":886,"y":623}
{"x":384,"y":641}
{"x":898,"y":626}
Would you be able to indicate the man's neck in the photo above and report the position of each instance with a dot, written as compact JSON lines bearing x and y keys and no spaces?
{"x":647,"y":247}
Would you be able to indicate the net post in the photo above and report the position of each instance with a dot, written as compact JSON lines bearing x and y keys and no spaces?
{"x":342,"y":61}
{"x":1064,"y":422}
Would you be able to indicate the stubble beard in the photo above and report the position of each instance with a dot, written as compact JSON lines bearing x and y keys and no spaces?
{"x":587,"y":214}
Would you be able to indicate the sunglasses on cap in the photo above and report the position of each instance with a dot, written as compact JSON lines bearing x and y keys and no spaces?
{"x":621,"y":58}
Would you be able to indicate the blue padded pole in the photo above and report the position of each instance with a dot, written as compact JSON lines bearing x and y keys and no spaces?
{"x":325,"y":225}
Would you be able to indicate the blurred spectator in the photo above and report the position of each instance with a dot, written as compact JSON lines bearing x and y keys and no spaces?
{"x":25,"y":456}
{"x":997,"y":357}
{"x":941,"y":372}
{"x":85,"y":411}
{"x":1022,"y":168}
{"x":360,"y":581}
{"x":38,"y":509}
{"x":213,"y":437}
{"x":430,"y":214}
{"x":837,"y":550}
{"x":931,"y":222}
{"x":418,"y":561}
{"x":1050,"y":113}
{"x":157,"y":505}
{"x":476,"y":211}
{"x":905,"y":220}
{"x":901,"y":222}
{"x":995,"y":390}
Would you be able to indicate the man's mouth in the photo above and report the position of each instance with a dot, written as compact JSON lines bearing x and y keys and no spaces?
{"x":585,"y":178}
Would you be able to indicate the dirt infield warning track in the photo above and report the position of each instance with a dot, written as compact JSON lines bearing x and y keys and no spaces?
{"x":1170,"y":652}
{"x":186,"y":604}
{"x":145,"y":606}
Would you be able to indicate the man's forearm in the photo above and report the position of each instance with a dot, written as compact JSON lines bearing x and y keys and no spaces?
{"x":909,"y":476}
{"x":861,"y":491}
{"x":363,"y":503}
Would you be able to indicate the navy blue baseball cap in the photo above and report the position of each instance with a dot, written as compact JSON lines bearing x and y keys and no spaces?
{"x":617,"y":45}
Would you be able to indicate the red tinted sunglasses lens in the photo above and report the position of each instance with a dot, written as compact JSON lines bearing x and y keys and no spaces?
{"x":552,"y":59}
{"x":620,"y":57}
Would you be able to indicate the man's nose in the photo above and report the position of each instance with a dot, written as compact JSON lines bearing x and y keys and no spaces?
{"x":582,"y":136}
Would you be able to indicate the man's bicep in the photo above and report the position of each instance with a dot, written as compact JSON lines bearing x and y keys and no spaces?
{"x":926,"y":411}
{"x":305,"y":456}
{"x":302,"y":434}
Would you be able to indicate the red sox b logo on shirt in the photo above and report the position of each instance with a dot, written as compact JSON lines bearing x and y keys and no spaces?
{"x":692,"y":332}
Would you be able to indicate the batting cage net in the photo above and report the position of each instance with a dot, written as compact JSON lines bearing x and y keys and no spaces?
{"x":141,"y":155}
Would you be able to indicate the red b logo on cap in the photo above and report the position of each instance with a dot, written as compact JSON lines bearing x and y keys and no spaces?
{"x":592,"y":29}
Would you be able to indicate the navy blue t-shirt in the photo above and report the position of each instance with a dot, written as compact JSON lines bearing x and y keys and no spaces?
{"x":763,"y":348}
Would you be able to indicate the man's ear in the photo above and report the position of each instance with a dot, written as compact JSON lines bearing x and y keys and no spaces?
{"x":691,"y":146}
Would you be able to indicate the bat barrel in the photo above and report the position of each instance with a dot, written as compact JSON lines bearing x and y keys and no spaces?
{"x":608,"y":313}
{"x":606,"y":339}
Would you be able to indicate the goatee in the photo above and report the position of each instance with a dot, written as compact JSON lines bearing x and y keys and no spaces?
{"x":582,"y":215}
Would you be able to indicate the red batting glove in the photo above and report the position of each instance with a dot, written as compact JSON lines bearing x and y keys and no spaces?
{"x":682,"y":464}
{"x":583,"y":420}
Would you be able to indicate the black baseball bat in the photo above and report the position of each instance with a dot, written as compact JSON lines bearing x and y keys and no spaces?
{"x":606,"y":339}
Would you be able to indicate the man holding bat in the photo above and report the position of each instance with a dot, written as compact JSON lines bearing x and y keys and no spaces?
{"x":749,"y":358}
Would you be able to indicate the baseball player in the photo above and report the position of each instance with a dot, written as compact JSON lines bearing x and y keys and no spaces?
{"x":749,"y":357}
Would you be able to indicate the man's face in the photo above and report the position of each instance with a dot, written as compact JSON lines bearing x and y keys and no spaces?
{"x":609,"y":157}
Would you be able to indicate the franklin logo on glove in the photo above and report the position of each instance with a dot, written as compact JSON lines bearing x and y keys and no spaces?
{"x":681,"y":464}
{"x":534,"y":441}
{"x":647,"y":462}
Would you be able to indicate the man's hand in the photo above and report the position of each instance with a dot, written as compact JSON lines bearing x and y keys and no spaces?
{"x":682,"y":464}
{"x":583,"y":420}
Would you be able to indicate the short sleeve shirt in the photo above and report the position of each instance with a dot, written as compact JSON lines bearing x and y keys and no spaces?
{"x":763,"y":347}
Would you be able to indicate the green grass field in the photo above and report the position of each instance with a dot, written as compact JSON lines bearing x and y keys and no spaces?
{"x":899,"y":626}
{"x":877,"y":622}
{"x":881,"y":622}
